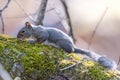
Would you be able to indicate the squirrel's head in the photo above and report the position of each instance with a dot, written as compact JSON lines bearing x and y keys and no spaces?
{"x":25,"y":32}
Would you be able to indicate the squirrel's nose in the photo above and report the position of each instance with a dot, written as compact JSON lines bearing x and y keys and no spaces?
{"x":18,"y":36}
{"x":21,"y":37}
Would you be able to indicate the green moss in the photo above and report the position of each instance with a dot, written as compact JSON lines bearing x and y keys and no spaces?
{"x":40,"y":62}
{"x":89,"y":70}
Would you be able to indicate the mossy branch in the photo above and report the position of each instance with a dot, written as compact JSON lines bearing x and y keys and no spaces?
{"x":37,"y":61}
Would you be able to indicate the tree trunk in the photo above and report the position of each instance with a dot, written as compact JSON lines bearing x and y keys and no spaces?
{"x":41,"y":13}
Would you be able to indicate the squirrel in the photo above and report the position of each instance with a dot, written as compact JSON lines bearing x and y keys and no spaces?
{"x":61,"y":40}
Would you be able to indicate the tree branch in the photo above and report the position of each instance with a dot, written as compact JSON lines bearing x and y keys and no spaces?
{"x":3,"y":25}
{"x":6,"y":5}
{"x":41,"y":12}
{"x":118,"y":64}
{"x":1,"y":17}
{"x":69,"y":20}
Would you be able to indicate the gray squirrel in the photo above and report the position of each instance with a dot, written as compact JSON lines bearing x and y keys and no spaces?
{"x":61,"y":40}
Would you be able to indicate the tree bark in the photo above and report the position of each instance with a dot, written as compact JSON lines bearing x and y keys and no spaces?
{"x":41,"y":13}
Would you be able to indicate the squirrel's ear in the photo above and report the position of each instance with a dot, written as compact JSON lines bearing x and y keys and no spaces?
{"x":27,"y":24}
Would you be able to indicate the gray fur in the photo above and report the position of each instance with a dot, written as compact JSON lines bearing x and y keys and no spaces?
{"x":59,"y":39}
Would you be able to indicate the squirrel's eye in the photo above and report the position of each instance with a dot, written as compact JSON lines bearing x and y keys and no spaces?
{"x":23,"y":31}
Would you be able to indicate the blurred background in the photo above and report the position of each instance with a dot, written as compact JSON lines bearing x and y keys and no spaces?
{"x":101,"y":17}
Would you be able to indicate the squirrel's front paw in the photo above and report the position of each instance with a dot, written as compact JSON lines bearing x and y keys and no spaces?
{"x":32,"y":41}
{"x":108,"y":63}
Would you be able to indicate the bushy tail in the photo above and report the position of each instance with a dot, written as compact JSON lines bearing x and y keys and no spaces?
{"x":104,"y":61}
{"x":80,"y":51}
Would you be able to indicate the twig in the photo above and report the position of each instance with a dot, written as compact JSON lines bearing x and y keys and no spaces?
{"x":69,"y":20}
{"x":63,"y":76}
{"x":41,"y":13}
{"x":22,"y":8}
{"x":3,"y":25}
{"x":118,"y":61}
{"x":96,"y":27}
{"x":24,"y":16}
{"x":1,"y":17}
{"x":6,"y":5}
{"x":50,"y":10}
{"x":71,"y":66}
{"x":118,"y":64}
